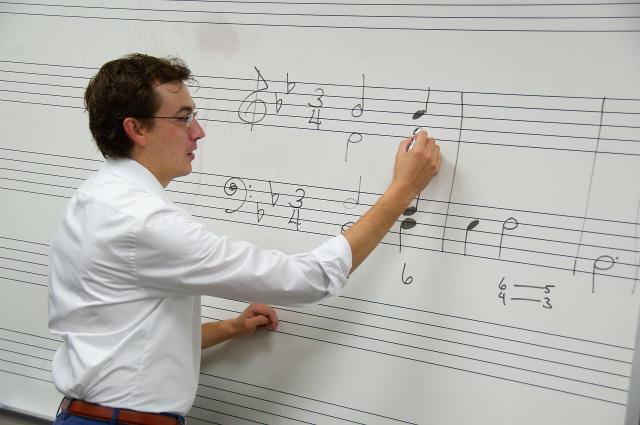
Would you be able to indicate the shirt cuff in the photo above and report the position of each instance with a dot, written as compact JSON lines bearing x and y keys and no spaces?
{"x":335,"y":259}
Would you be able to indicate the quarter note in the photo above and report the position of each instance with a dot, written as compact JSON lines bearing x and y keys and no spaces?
{"x":414,"y":208}
{"x":407,"y":223}
{"x":470,"y":227}
{"x":419,"y":113}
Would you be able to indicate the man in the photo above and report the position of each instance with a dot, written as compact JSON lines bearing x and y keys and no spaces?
{"x":127,"y":266}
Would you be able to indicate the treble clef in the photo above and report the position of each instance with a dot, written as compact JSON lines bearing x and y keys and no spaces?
{"x":231,"y":187}
{"x":252,"y":109}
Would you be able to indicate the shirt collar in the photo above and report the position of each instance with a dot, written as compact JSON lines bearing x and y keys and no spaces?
{"x":135,"y":173}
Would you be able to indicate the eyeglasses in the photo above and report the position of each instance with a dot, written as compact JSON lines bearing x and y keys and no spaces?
{"x":187,"y":119}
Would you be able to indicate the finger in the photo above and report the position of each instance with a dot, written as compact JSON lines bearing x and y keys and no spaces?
{"x":273,"y":318}
{"x":419,"y":140}
{"x":267,"y":311}
{"x":257,"y":321}
{"x":404,"y":145}
{"x":420,"y":132}
{"x":260,"y":309}
{"x":433,"y":147}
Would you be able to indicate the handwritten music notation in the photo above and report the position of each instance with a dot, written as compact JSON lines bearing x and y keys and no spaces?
{"x":557,"y":17}
{"x":356,"y":114}
{"x":608,"y":252}
{"x":561,"y":363}
{"x":535,"y":238}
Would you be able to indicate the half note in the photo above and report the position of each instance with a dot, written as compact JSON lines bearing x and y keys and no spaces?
{"x":351,"y":202}
{"x":357,"y":110}
{"x":602,"y":263}
{"x":509,"y":224}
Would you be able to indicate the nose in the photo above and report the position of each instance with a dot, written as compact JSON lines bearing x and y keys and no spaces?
{"x":196,"y":130}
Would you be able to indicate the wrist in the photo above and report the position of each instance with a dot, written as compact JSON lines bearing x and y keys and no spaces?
{"x":231,"y":328}
{"x":397,"y":194}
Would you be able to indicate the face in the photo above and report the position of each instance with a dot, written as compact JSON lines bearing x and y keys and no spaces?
{"x":170,"y":145}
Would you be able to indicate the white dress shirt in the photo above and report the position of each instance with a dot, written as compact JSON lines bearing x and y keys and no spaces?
{"x":126,"y":271}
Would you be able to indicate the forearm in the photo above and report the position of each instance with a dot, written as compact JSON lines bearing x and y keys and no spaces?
{"x":367,"y":232}
{"x":253,"y":317}
{"x":216,"y":332}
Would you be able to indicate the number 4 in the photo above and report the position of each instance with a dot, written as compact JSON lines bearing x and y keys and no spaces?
{"x":295,"y":218}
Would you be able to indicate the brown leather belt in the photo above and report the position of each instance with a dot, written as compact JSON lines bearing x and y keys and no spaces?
{"x":128,"y":417}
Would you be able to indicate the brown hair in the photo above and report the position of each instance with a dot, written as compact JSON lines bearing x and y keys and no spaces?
{"x":125,"y":88}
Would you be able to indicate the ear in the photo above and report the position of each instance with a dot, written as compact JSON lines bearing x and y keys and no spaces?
{"x":135,"y":131}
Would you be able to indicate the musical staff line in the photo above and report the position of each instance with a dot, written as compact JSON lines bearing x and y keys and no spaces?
{"x":386,"y":135}
{"x":25,"y":354}
{"x":363,"y":204}
{"x":332,"y":84}
{"x":499,"y":325}
{"x":435,"y":364}
{"x":341,"y":19}
{"x":456,"y":342}
{"x":553,"y":133}
{"x":306,"y":185}
{"x":384,"y":353}
{"x":448,"y":328}
{"x":26,"y":376}
{"x":191,"y":417}
{"x":369,"y":313}
{"x":206,"y":375}
{"x":352,"y":97}
{"x":399,"y":124}
{"x":217,"y":388}
{"x":406,"y":345}
{"x":31,"y":355}
{"x":337,"y":224}
{"x":271,"y":402}
{"x":443,"y":327}
{"x":383,"y":243}
{"x":302,"y":397}
{"x":505,"y":227}
{"x":434,"y":4}
{"x":310,"y":14}
{"x":258,"y":410}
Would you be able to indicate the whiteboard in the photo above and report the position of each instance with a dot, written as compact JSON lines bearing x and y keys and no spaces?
{"x":514,"y":298}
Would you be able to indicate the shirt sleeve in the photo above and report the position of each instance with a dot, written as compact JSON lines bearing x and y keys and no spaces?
{"x":176,"y":254}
